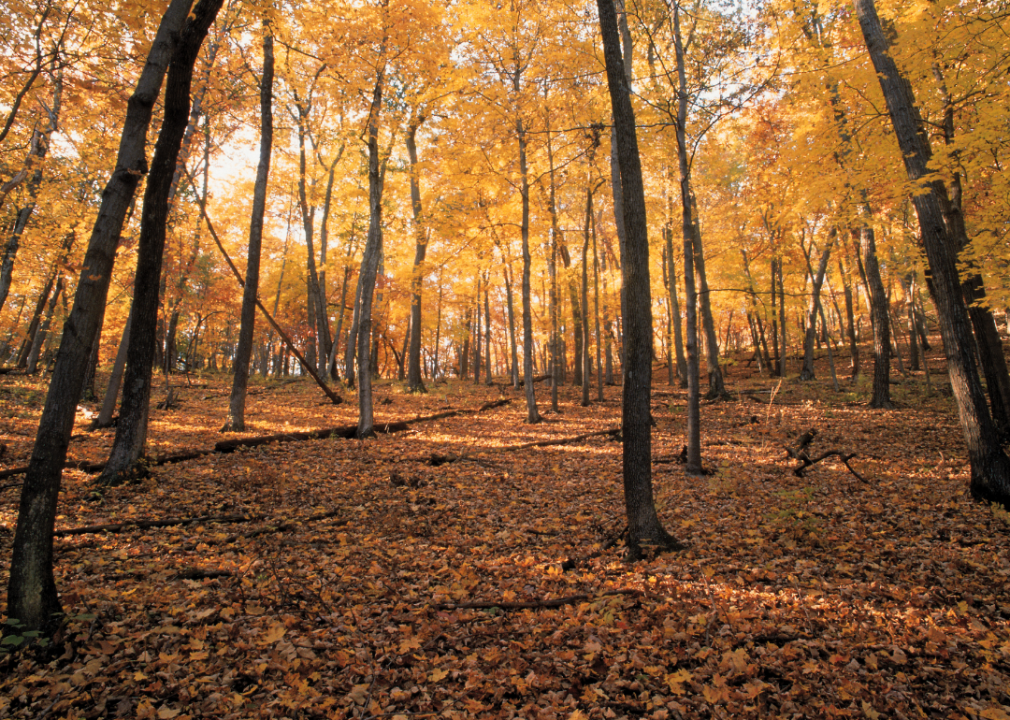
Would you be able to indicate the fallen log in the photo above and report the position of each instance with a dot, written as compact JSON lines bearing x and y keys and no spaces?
{"x":342,"y":431}
{"x":146,"y":524}
{"x":227,"y":446}
{"x":564,"y":441}
{"x":94,"y":467}
{"x":493,"y":404}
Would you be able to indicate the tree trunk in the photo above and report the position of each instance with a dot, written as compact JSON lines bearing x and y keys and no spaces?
{"x":644,"y":526}
{"x":487,"y":333}
{"x":513,"y":346}
{"x":370,"y":260}
{"x":414,"y":381}
{"x":31,"y":363}
{"x":32,"y":598}
{"x":532,"y":415}
{"x":881,"y":324}
{"x":131,"y":430}
{"x":990,"y":467}
{"x":807,"y":373}
{"x":243,"y":353}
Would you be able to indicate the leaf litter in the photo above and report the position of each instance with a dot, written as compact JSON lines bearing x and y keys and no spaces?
{"x":359,"y":579}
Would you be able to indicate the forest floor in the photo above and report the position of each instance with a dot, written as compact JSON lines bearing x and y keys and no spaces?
{"x":344,"y":578}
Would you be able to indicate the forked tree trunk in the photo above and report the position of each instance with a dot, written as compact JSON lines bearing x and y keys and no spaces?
{"x":990,"y":467}
{"x":32,"y":597}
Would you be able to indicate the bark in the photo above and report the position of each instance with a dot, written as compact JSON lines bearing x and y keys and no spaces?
{"x":644,"y":526}
{"x":31,"y":594}
{"x":235,"y":421}
{"x":370,"y":260}
{"x":990,"y":467}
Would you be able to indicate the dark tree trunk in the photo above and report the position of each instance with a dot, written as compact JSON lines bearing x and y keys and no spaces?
{"x":850,"y":322}
{"x":990,"y":467}
{"x":243,"y":352}
{"x":881,"y":324}
{"x":414,"y":381}
{"x":131,"y":430}
{"x":370,"y":260}
{"x":513,"y":346}
{"x":31,"y":593}
{"x":532,"y":415}
{"x":644,"y":526}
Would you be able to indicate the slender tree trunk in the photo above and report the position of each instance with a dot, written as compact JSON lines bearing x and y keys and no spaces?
{"x":850,"y":322}
{"x":370,"y":259}
{"x":513,"y":347}
{"x":596,"y":312}
{"x":990,"y":467}
{"x":487,"y":334}
{"x":31,"y":362}
{"x":477,"y":337}
{"x":243,"y":353}
{"x":644,"y":526}
{"x":414,"y":381}
{"x":32,"y":597}
{"x":807,"y":373}
{"x":532,"y":415}
{"x":881,"y":324}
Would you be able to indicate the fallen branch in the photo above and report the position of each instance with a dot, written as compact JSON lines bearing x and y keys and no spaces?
{"x":94,"y":467}
{"x":799,"y":452}
{"x":806,"y":462}
{"x":493,"y":404}
{"x":146,"y":524}
{"x":344,"y":431}
{"x":564,"y":441}
{"x":534,"y":604}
